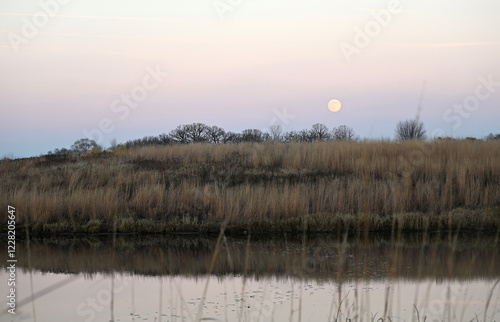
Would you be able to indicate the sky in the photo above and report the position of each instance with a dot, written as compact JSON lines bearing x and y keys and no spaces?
{"x":125,"y":69}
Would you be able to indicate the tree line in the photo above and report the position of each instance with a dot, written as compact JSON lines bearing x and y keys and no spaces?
{"x":213,"y":134}
{"x":201,"y":133}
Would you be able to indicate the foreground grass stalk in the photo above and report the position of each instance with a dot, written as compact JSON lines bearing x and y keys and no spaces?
{"x":199,"y":315}
{"x":486,"y":306}
{"x":245,"y":270}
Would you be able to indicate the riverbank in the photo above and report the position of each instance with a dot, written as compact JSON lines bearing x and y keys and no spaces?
{"x":265,"y":187}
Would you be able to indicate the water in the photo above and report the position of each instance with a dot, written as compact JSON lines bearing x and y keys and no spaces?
{"x":439,"y":277}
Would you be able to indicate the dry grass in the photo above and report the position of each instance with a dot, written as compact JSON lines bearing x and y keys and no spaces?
{"x":371,"y":185}
{"x":323,"y":256}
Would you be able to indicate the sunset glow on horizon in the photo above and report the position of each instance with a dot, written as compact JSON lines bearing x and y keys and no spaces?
{"x":131,"y":69}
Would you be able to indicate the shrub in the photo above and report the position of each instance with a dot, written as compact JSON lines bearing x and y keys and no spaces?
{"x":410,"y":130}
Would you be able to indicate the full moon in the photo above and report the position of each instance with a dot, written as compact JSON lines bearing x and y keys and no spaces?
{"x":334,"y":105}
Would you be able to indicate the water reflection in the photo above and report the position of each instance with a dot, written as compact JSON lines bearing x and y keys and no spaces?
{"x":413,"y":257}
{"x":322,"y":277}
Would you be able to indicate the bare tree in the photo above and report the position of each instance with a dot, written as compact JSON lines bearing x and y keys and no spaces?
{"x":410,"y":130}
{"x":319,"y":132}
{"x":179,"y":134}
{"x":196,"y":132}
{"x":266,"y":137}
{"x":306,"y":136}
{"x":252,"y":135}
{"x":165,"y":138}
{"x":214,"y":134}
{"x":61,"y":152}
{"x":113,"y":144}
{"x":83,"y":145}
{"x":231,"y":137}
{"x":492,"y":136}
{"x":275,"y":132}
{"x":292,"y":136}
{"x":344,"y":133}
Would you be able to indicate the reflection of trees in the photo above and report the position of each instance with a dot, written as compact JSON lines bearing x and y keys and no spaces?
{"x":472,"y":257}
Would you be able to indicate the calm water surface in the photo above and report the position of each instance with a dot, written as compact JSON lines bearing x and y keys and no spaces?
{"x":438,"y":276}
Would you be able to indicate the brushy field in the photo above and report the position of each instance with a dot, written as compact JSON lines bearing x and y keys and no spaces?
{"x":266,"y":187}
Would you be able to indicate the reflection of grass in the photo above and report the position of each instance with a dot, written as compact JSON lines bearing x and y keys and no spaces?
{"x":267,"y":187}
{"x":316,"y":257}
{"x":341,"y":259}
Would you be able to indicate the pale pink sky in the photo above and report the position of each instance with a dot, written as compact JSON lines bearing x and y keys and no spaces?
{"x":65,"y":64}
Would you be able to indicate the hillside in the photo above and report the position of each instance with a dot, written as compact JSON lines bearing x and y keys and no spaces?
{"x":262,"y":187}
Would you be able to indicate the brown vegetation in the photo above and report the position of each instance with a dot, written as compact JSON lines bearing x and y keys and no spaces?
{"x":327,"y":186}
{"x":324,"y":257}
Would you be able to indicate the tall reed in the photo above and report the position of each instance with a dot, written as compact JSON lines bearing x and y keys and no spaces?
{"x":435,"y":183}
